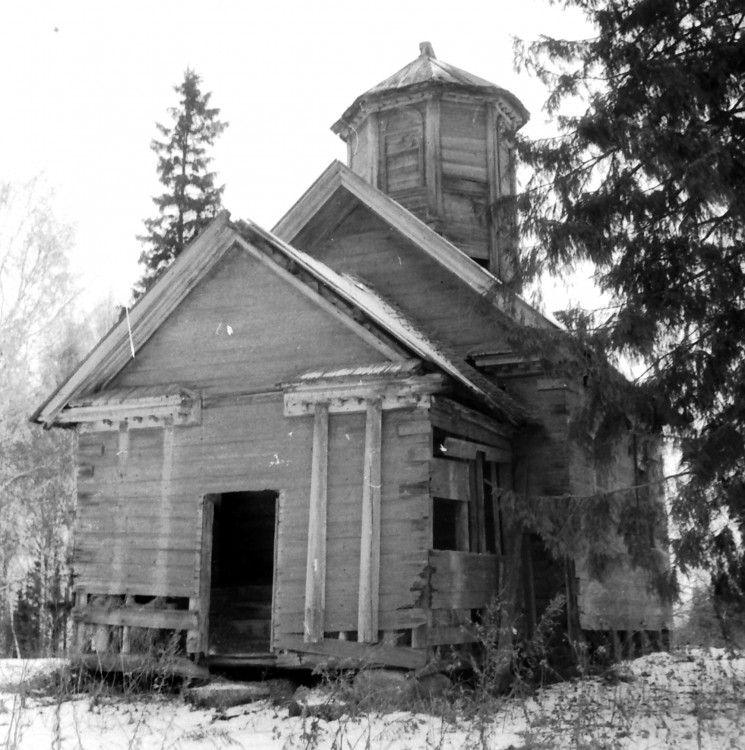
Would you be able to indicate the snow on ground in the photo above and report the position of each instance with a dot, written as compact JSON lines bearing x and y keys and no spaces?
{"x":693,"y":699}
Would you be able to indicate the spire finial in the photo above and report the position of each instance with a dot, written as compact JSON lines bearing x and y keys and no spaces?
{"x":426,"y":50}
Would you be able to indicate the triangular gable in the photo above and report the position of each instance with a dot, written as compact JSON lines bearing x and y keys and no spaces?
{"x":397,"y":325}
{"x":114,"y":351}
{"x":325,"y":192}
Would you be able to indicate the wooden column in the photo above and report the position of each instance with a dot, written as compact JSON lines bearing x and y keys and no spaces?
{"x":119,"y":520}
{"x":369,"y":587}
{"x":165,"y":511}
{"x":199,"y":642}
{"x":315,"y":574}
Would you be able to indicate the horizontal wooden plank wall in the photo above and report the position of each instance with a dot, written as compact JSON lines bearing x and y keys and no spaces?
{"x":404,"y":527}
{"x":223,"y":337}
{"x":470,"y":447}
{"x":124,"y":544}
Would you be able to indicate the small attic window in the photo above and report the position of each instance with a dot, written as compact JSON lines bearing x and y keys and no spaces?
{"x":402,"y":152}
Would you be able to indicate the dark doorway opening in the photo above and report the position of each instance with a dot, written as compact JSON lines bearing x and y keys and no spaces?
{"x":242,"y":572}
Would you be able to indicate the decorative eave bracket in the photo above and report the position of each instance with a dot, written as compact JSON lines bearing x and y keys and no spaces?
{"x":352,"y":394}
{"x":180,"y":408}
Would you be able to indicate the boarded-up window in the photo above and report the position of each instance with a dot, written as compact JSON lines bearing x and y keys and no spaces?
{"x":402,"y":153}
{"x":466,"y":514}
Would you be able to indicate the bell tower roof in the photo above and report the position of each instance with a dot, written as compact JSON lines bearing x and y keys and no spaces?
{"x":424,"y":73}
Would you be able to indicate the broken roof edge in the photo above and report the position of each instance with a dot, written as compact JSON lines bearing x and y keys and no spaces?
{"x":448,"y":255}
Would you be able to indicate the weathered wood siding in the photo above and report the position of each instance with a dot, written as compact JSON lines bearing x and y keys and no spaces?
{"x":242,"y":329}
{"x":363,"y":150}
{"x":136,"y":536}
{"x":233,"y":339}
{"x":402,"y":155}
{"x":366,"y":246}
{"x":465,"y":181}
{"x":404,"y":527}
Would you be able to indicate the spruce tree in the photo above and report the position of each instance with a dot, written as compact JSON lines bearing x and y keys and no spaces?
{"x":191,"y":199}
{"x":646,"y":182}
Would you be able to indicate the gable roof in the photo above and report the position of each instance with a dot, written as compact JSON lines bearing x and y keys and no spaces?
{"x":338,"y":177}
{"x":114,"y":351}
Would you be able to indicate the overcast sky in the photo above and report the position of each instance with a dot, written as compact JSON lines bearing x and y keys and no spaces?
{"x":83,"y":84}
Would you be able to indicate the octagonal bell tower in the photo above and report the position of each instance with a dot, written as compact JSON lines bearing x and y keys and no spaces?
{"x":437,"y":140}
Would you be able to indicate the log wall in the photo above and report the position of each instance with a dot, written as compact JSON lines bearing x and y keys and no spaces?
{"x":404,"y":528}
